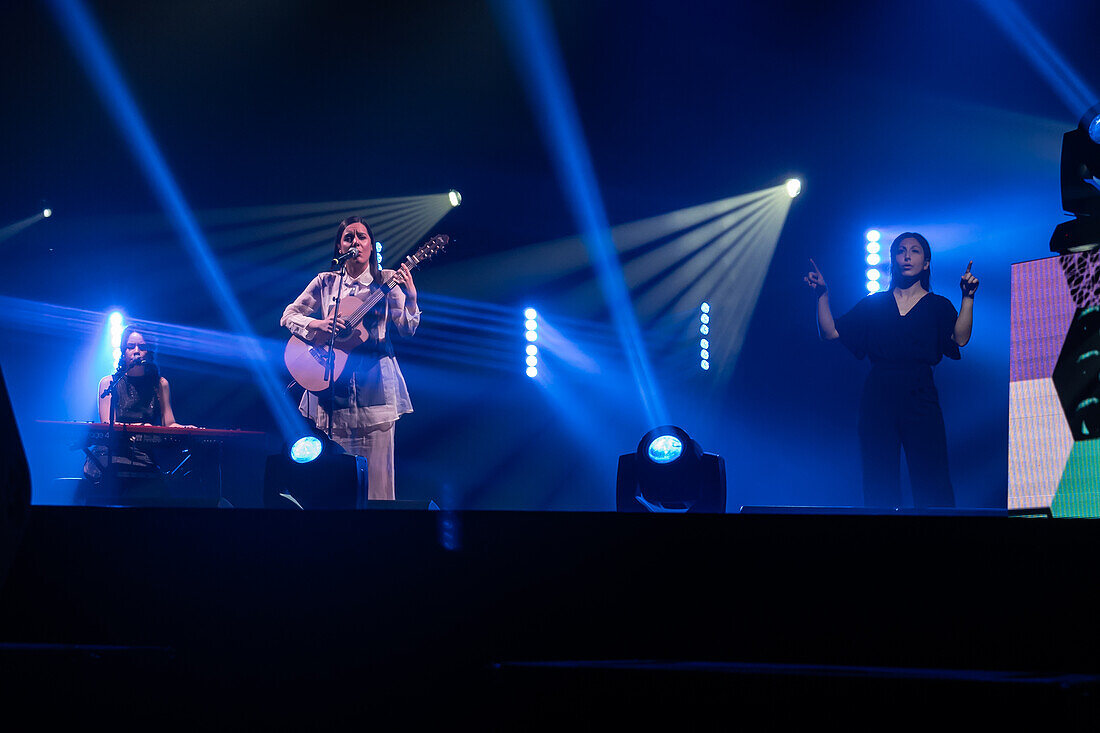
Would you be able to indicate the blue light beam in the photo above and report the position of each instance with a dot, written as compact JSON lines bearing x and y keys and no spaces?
{"x":87,"y":41}
{"x":1065,"y":82}
{"x":527,"y":29}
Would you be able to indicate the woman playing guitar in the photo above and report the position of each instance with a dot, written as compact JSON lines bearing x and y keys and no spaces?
{"x":369,"y":393}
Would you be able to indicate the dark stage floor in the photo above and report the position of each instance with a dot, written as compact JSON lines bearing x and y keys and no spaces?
{"x":322,"y":615}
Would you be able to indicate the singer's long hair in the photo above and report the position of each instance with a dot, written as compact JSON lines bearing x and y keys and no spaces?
{"x":895,"y":271}
{"x":150,"y":346}
{"x":375,"y":272}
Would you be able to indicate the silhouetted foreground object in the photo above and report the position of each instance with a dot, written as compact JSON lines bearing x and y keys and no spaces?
{"x":15,"y":483}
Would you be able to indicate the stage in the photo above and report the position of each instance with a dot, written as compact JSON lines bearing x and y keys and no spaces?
{"x":320,"y":615}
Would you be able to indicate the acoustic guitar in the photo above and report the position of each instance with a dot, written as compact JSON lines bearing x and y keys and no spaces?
{"x":309,"y":361}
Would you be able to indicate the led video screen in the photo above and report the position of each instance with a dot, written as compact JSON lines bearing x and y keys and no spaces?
{"x":1054,"y":387}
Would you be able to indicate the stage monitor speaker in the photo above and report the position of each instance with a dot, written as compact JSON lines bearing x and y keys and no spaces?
{"x":15,"y":483}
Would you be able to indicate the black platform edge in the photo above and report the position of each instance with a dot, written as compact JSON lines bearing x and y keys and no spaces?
{"x":325,"y":602}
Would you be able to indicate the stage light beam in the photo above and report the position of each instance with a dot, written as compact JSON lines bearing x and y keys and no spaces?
{"x":87,"y":41}
{"x":1044,"y":57}
{"x":527,"y":28}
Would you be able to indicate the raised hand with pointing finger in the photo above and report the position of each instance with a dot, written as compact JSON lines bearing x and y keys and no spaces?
{"x":816,"y":280}
{"x":968,"y":282}
{"x":825,"y":326}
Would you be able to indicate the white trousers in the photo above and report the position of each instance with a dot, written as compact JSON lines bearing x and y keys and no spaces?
{"x":376,"y":445}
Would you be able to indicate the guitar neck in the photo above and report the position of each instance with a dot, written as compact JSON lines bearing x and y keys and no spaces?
{"x":374,"y":298}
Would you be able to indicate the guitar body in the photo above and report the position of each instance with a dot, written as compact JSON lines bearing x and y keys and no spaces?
{"x":306,"y":360}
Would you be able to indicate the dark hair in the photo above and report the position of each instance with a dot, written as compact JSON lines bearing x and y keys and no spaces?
{"x":375,"y":272}
{"x":150,"y":344}
{"x":895,"y":271}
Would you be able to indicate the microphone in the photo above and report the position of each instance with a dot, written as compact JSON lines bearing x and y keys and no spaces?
{"x":353,"y":252}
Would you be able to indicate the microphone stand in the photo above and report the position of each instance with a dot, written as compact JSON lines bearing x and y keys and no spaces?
{"x":110,"y":467}
{"x":330,"y":366}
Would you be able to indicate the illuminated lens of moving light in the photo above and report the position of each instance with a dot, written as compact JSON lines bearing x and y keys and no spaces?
{"x":794,"y":187}
{"x":704,"y":329}
{"x":306,"y":449}
{"x":532,"y":336}
{"x":873,"y":274}
{"x":532,"y":350}
{"x":873,"y":235}
{"x":378,"y":251}
{"x":874,"y":247}
{"x":703,"y":353}
{"x":530,"y":314}
{"x":532,"y":325}
{"x":704,"y":318}
{"x":454,"y":197}
{"x":665,"y":449}
{"x":532,"y":361}
{"x":532,"y":371}
{"x":47,"y":213}
{"x":705,"y":307}
{"x":704,"y":365}
{"x":704,"y":344}
{"x":873,"y":259}
{"x":873,"y":286}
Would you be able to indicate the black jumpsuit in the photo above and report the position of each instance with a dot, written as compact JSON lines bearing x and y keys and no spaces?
{"x":900,"y":406}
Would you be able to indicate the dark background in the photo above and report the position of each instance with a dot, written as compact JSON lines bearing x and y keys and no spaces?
{"x":895,"y":116}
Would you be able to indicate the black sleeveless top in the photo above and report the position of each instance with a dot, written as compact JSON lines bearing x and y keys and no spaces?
{"x":137,"y":399}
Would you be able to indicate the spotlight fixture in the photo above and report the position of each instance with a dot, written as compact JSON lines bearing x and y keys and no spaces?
{"x":47,"y":213}
{"x":794,"y":187}
{"x":115,"y":327}
{"x":531,"y":326}
{"x":669,"y":472}
{"x":876,"y":269}
{"x":704,"y":342}
{"x":378,"y":253}
{"x":454,"y":197}
{"x":1080,"y":177}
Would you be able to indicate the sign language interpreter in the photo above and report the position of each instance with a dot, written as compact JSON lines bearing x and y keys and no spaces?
{"x":905,"y":331}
